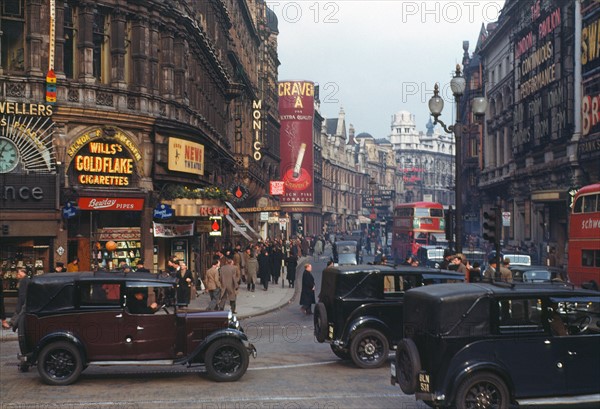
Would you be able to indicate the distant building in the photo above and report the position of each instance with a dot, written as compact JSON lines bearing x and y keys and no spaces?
{"x":425,"y":161}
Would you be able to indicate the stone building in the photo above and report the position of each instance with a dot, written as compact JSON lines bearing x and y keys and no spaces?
{"x":532,"y":126}
{"x":425,"y":161}
{"x":129,"y":106}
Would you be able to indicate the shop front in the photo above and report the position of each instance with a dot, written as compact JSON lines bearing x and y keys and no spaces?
{"x":29,"y":210}
{"x":111,"y":227}
{"x":196,"y":229}
{"x":29,"y":222}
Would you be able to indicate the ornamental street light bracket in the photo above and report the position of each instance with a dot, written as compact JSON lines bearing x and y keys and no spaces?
{"x":458,"y":85}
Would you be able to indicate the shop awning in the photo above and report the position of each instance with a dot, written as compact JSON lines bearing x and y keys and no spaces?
{"x":363,"y":220}
{"x":237,"y":214}
{"x":237,"y":228}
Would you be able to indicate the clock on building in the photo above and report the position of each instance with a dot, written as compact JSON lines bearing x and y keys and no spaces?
{"x":9,"y":155}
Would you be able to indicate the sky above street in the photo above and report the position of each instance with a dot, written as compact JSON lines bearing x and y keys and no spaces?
{"x":377,"y":57}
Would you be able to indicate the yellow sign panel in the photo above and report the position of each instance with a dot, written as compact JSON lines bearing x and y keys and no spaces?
{"x":186,"y":156}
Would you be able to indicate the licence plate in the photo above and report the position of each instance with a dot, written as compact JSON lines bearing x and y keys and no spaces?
{"x":393,"y":369}
{"x":424,"y":382}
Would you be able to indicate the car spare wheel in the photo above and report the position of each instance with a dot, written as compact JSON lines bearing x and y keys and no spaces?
{"x":320,"y":321}
{"x":60,"y":363}
{"x":226,"y":360}
{"x":408,"y":366}
{"x":369,"y":348}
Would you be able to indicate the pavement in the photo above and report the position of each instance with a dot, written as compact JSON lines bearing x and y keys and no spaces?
{"x":249,"y":304}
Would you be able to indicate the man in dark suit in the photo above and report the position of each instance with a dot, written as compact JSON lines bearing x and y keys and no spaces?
{"x":140,"y":267}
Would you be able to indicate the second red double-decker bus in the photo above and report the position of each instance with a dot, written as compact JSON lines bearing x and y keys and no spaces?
{"x":584,"y":237}
{"x":416,"y":224}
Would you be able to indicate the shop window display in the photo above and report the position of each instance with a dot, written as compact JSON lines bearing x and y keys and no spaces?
{"x":33,"y":256}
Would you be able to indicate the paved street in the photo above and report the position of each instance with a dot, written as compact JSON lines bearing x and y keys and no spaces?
{"x":291,"y":370}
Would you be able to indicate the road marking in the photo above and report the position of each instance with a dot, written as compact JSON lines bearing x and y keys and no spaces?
{"x":260,"y":368}
{"x":196,"y":401}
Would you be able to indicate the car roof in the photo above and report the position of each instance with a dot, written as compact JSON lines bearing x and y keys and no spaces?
{"x":374,"y":268}
{"x":55,"y":291}
{"x":468,"y":290}
{"x":56,"y":278}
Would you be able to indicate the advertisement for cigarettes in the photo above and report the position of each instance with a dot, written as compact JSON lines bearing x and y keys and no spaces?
{"x":296,"y":112}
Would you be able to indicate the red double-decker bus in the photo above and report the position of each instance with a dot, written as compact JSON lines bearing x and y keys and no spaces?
{"x":584,"y":236}
{"x":416,"y":224}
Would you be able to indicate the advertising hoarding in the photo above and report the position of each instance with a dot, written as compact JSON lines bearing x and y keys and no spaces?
{"x":296,"y":112}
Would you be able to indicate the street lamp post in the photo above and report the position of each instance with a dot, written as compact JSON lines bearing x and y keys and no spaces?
{"x":436,"y":105}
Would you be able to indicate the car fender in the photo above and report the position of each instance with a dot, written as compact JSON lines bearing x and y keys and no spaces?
{"x":364,"y":322}
{"x":203,"y":346}
{"x":59,"y":336}
{"x":471,"y":367}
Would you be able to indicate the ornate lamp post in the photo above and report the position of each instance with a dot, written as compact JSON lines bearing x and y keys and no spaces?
{"x":436,"y":105}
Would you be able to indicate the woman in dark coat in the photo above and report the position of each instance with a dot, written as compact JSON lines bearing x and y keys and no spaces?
{"x":184,"y":285}
{"x":264,"y":268}
{"x":292,"y":263}
{"x":307,"y":296}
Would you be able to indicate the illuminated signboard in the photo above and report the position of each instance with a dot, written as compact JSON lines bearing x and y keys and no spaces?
{"x":186,"y":156}
{"x":103,"y":159}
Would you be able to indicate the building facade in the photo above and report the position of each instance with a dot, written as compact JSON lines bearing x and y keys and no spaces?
{"x":533,"y":150}
{"x":425,"y":161}
{"x":126,"y":107}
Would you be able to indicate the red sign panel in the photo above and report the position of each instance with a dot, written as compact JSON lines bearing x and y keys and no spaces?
{"x":296,"y":112}
{"x":276,"y":187}
{"x":110,"y":203}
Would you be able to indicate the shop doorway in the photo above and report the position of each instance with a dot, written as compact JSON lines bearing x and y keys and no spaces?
{"x":80,"y":247}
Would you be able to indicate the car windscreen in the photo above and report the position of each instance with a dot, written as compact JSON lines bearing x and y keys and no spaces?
{"x":347,"y":258}
{"x":521,"y":259}
{"x":347,"y":249}
{"x":533,"y":276}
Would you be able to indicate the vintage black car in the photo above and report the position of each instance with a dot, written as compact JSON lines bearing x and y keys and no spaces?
{"x":360,"y":308}
{"x":347,"y":252}
{"x":73,"y":320}
{"x":497,"y":345}
{"x":537,"y":274}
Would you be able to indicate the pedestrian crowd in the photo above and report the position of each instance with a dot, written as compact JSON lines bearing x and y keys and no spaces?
{"x":257,"y":264}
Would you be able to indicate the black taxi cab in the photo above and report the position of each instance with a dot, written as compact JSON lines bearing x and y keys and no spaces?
{"x":74,"y":320}
{"x":359,"y":312}
{"x":496,"y":345}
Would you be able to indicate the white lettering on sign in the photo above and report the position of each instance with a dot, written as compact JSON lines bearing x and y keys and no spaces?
{"x":590,"y":224}
{"x":102,"y":204}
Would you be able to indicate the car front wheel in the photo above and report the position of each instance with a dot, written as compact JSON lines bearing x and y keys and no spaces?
{"x":226,"y":360}
{"x":483,"y":391}
{"x":60,"y":363}
{"x":369,"y":349}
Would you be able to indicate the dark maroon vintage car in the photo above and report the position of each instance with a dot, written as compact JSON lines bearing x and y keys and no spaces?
{"x":73,"y":320}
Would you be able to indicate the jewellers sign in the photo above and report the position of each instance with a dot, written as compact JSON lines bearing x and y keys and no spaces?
{"x":110,"y":203}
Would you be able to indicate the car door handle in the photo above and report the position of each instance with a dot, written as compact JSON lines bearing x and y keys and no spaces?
{"x":119,"y":316}
{"x":139,"y":328}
